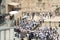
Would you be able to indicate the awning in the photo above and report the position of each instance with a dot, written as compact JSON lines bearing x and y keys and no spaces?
{"x":13,"y":3}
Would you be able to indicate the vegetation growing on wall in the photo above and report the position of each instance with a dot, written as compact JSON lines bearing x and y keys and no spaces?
{"x":57,"y":11}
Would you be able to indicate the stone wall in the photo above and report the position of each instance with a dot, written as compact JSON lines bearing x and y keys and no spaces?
{"x":6,"y":33}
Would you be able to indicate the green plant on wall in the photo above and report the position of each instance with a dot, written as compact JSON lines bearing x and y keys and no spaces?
{"x":39,"y":0}
{"x":57,"y":11}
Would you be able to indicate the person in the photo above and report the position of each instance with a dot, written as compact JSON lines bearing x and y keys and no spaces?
{"x":50,"y":15}
{"x":50,"y":28}
{"x":36,"y":35}
{"x":41,"y":36}
{"x":56,"y":27}
{"x":11,"y":20}
{"x":30,"y":37}
{"x":45,"y":28}
{"x":22,"y":35}
{"x":27,"y":26}
{"x":54,"y":36}
{"x":47,"y":36}
{"x":17,"y":32}
{"x":27,"y":35}
{"x":57,"y":36}
{"x":51,"y":37}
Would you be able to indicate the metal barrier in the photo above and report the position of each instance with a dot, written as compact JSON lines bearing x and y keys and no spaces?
{"x":6,"y":33}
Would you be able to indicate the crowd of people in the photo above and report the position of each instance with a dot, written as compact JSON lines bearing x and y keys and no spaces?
{"x":38,"y":34}
{"x":32,"y":19}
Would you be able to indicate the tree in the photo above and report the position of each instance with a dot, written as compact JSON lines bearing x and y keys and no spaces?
{"x":0,"y":1}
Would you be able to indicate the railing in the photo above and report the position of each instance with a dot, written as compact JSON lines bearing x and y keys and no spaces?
{"x":6,"y":33}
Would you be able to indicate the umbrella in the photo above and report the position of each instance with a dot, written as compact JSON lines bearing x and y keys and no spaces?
{"x":25,"y":16}
{"x":13,"y":12}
